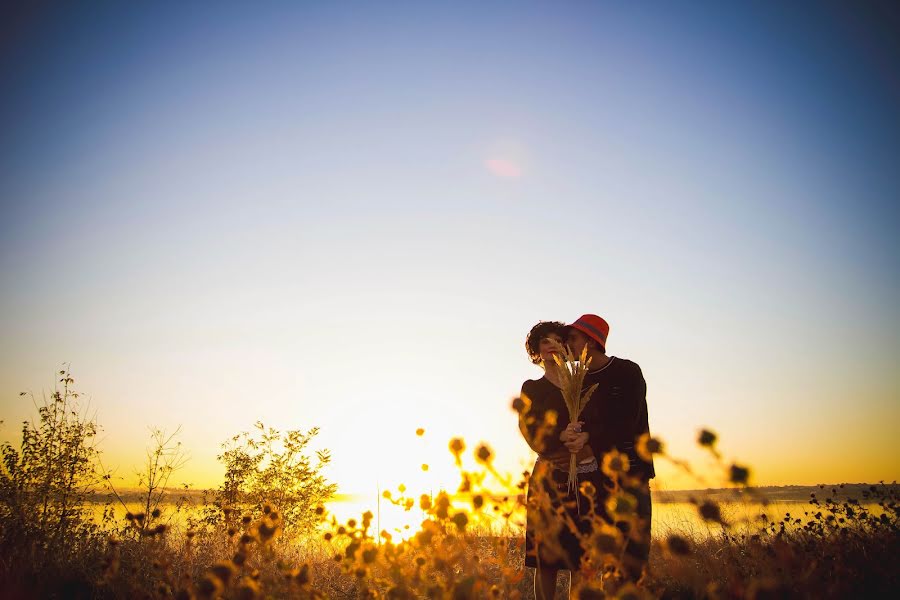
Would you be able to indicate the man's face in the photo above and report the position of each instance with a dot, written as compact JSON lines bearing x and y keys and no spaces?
{"x":576,"y":341}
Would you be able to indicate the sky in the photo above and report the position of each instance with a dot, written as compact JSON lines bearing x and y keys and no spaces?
{"x":348,"y":217}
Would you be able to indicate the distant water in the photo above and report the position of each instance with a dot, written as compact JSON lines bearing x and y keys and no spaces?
{"x":668,"y":517}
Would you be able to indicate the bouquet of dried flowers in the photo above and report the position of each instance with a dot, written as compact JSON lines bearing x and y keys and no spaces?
{"x":571,"y":375}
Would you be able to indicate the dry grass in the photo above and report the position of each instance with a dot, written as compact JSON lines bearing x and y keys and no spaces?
{"x":838,"y":547}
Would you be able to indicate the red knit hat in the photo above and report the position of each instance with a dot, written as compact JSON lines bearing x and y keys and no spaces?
{"x":594,"y":327}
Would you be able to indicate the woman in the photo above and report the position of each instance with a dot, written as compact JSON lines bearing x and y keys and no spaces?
{"x":555,"y":519}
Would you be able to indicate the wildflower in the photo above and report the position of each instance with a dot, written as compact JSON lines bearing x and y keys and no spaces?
{"x":550,"y":419}
{"x":239,"y":558}
{"x":327,"y":536}
{"x":399,"y":592}
{"x":160,"y":529}
{"x":424,"y":467}
{"x":248,"y":590}
{"x":384,"y":534}
{"x":521,"y":405}
{"x":351,"y":523}
{"x":267,"y":508}
{"x":420,"y":432}
{"x":209,"y":586}
{"x":460,"y":519}
{"x":740,"y":475}
{"x":484,"y":454}
{"x":223,"y":570}
{"x":677,"y":545}
{"x":621,"y":504}
{"x":647,"y":446}
{"x":246,"y":539}
{"x":303,"y":576}
{"x":247,"y":518}
{"x":477,"y":501}
{"x":587,"y":489}
{"x":350,"y":550}
{"x":706,"y":438}
{"x":443,"y":506}
{"x":369,"y":555}
{"x":129,"y":517}
{"x":320,"y":510}
{"x":710,"y":511}
{"x":615,"y":463}
{"x":425,"y":502}
{"x":190,"y":533}
{"x":457,"y":446}
{"x":267,"y":531}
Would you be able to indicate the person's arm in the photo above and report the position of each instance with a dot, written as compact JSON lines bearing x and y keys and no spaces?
{"x":540,"y":430}
{"x":613,"y":421}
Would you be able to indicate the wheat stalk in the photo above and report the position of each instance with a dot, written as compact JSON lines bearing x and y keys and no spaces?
{"x":572,"y":371}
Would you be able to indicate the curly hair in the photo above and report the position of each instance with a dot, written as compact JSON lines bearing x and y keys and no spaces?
{"x":539,"y":332}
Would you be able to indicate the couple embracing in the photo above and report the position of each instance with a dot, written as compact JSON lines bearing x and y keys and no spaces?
{"x":602,"y":526}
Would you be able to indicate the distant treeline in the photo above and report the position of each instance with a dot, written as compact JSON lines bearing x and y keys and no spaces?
{"x":772,"y":493}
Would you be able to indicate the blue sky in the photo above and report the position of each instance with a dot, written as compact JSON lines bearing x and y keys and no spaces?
{"x":288,"y":212}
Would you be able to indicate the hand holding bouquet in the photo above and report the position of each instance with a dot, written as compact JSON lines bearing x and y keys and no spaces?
{"x":571,"y":376}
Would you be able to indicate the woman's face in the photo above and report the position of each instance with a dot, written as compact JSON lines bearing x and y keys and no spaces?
{"x":549,"y":346}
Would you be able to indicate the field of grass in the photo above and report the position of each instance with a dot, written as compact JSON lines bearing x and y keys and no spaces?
{"x":266,"y":532}
{"x":832,"y":545}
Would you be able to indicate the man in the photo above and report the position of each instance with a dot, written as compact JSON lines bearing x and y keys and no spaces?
{"x":614,"y":419}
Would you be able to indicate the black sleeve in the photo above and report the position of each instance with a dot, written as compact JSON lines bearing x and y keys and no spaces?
{"x":541,"y":438}
{"x":613,"y":418}
{"x":642,"y":426}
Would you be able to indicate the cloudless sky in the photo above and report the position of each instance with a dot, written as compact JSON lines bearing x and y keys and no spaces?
{"x":350,"y":216}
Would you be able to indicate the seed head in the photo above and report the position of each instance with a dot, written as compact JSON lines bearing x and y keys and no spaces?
{"x":739,"y":475}
{"x":457,"y":446}
{"x":615,"y":463}
{"x":224,"y":571}
{"x":521,"y":405}
{"x":677,"y":545}
{"x":460,"y":519}
{"x":710,"y":511}
{"x":484,"y":454}
{"x":647,"y":446}
{"x":706,"y":438}
{"x":303,"y":576}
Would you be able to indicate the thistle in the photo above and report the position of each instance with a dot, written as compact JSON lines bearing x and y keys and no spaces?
{"x":571,"y":374}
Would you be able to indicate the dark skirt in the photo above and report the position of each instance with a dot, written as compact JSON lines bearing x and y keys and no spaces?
{"x":557,"y":519}
{"x":557,"y":524}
